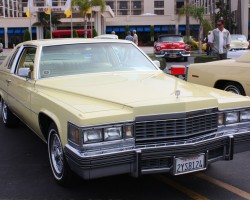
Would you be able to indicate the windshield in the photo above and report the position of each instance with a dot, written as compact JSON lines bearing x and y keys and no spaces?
{"x":241,"y":38}
{"x":170,"y":39}
{"x":70,"y":59}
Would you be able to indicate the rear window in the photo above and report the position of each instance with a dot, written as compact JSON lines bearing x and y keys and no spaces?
{"x":170,"y":39}
{"x":239,"y":38}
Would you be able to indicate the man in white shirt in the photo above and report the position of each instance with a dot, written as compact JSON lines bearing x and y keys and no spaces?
{"x":135,"y":40}
{"x":220,"y":40}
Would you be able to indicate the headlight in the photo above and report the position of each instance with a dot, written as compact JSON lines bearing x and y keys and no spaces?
{"x":74,"y":134}
{"x":100,"y":134}
{"x":113,"y":133}
{"x":158,"y":48}
{"x":92,"y":135}
{"x":128,"y":131}
{"x":187,"y":47}
{"x":221,"y":119}
{"x":231,"y":117}
{"x":245,"y":115}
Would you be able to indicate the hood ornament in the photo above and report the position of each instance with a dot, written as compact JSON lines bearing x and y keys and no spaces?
{"x":177,"y":93}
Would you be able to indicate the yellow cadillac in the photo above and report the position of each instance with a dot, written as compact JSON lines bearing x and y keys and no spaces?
{"x":105,"y":108}
{"x":231,"y":75}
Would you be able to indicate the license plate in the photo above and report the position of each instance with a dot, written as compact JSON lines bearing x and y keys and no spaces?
{"x":189,"y":164}
{"x":172,"y":56}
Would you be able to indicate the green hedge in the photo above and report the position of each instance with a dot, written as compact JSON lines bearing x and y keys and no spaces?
{"x":205,"y":58}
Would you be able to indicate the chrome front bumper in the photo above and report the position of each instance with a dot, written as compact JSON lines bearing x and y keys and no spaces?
{"x":172,"y":55}
{"x":158,"y":158}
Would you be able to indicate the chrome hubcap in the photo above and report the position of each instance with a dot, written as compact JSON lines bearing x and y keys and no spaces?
{"x":232,"y":89}
{"x":57,"y":154}
{"x":4,"y":112}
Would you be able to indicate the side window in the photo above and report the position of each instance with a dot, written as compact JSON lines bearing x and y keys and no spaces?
{"x":27,"y":59}
{"x":12,"y":58}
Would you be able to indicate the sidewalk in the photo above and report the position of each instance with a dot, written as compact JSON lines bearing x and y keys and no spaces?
{"x":5,"y":52}
{"x":147,"y":50}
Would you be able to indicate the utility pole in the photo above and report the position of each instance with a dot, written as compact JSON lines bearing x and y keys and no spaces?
{"x":230,"y":13}
{"x":239,"y":26}
{"x":212,"y":12}
{"x":187,"y":22}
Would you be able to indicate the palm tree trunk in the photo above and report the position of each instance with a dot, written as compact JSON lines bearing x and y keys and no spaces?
{"x":200,"y":38}
{"x":85,"y":26}
{"x":187,"y":23}
{"x":211,"y":12}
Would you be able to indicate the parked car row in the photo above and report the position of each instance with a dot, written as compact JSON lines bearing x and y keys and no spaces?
{"x":105,"y":108}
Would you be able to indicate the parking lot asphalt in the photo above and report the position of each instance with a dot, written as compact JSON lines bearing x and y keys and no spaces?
{"x":5,"y":52}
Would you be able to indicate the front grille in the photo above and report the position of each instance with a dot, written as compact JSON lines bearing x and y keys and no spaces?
{"x":156,"y":163}
{"x":175,"y":51}
{"x":178,"y":127}
{"x":215,"y":153}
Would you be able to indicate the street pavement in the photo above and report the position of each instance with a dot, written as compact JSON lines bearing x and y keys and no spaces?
{"x":5,"y":52}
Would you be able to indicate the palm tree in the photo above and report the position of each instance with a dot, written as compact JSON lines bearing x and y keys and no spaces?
{"x":44,"y":21}
{"x":198,"y":14}
{"x":187,"y":22}
{"x":85,"y":6}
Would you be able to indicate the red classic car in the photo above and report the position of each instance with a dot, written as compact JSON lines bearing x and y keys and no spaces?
{"x":171,"y":46}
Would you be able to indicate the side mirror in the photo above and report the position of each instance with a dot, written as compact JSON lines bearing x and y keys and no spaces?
{"x":23,"y":72}
{"x":157,"y":63}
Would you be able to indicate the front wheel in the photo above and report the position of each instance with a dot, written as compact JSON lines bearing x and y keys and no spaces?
{"x":58,"y":163}
{"x":234,"y":88}
{"x":9,"y":119}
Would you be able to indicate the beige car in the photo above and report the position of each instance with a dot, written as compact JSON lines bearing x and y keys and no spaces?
{"x":239,"y":42}
{"x":231,"y":75}
{"x":105,"y":108}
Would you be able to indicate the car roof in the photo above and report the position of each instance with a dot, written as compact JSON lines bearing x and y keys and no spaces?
{"x":107,"y":36}
{"x":48,"y":42}
{"x":170,"y":35}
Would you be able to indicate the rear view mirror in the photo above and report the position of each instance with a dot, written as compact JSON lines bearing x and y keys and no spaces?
{"x":23,"y":72}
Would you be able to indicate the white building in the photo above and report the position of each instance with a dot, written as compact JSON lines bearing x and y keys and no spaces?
{"x":140,"y":15}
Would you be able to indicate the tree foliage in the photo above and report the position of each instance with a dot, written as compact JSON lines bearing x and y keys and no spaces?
{"x":198,"y":13}
{"x":94,"y":34}
{"x":225,"y":14}
{"x":85,"y":6}
{"x":47,"y":34}
{"x":26,"y":36}
{"x":75,"y":34}
{"x":44,"y":21}
{"x":152,"y":33}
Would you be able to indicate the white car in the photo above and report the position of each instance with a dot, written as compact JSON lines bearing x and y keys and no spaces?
{"x":239,"y":42}
{"x":107,"y":36}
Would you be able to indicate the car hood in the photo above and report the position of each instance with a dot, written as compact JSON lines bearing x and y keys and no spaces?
{"x":143,"y":92}
{"x":239,"y":44}
{"x":171,"y":45}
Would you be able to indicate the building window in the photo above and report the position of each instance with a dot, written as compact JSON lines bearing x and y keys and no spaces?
{"x":159,"y":12}
{"x":137,"y":12}
{"x":123,"y":5}
{"x":137,"y":5}
{"x":179,"y":4}
{"x":111,"y":4}
{"x":122,"y":12}
{"x":159,"y":4}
